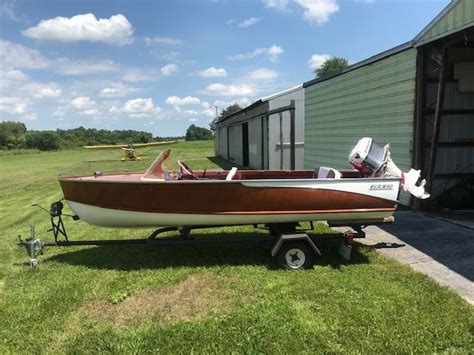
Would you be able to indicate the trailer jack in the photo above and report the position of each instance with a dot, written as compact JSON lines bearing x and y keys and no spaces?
{"x":34,"y":247}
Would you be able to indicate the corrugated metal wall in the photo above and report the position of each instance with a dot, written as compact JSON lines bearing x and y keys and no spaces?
{"x":255,"y":143}
{"x":221,"y":136}
{"x":460,"y":16}
{"x":235,"y":143}
{"x":229,"y":135}
{"x":274,"y":149}
{"x":377,"y":100}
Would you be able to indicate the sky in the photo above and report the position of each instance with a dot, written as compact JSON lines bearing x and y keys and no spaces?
{"x":161,"y":66}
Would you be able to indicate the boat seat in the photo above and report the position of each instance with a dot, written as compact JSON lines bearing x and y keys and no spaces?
{"x":326,"y":173}
{"x":231,"y":174}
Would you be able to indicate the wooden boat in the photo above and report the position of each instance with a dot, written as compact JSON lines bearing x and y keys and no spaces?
{"x":212,"y":198}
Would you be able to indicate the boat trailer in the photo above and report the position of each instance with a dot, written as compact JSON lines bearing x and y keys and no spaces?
{"x":292,"y":247}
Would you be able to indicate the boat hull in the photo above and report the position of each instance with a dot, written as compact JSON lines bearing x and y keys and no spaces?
{"x":126,"y":203}
{"x":106,"y":217}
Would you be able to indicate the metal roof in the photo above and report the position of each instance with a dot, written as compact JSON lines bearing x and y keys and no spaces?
{"x":435,"y":21}
{"x":260,"y":101}
{"x":281,"y":93}
{"x":245,"y":109}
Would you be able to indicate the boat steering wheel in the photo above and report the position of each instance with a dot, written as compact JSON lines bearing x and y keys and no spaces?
{"x":186,"y":170}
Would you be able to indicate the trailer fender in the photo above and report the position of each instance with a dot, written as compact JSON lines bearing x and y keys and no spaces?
{"x":294,"y":237}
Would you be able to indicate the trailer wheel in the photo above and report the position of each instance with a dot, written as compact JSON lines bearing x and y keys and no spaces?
{"x":295,"y":256}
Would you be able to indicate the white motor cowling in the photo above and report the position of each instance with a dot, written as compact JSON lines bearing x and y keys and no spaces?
{"x":374,"y":160}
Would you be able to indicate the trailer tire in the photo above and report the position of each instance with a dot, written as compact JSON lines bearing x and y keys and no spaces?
{"x":295,"y":255}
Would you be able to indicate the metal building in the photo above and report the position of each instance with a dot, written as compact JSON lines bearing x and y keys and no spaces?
{"x":268,"y":134}
{"x":418,"y":96}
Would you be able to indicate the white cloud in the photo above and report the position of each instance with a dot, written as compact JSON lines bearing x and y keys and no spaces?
{"x":231,"y":21}
{"x":276,"y":4}
{"x":249,"y":22}
{"x":85,"y":106}
{"x":209,"y":111}
{"x":134,"y":75}
{"x":272,"y":53}
{"x":192,"y":120}
{"x":83,"y":103}
{"x":11,"y":79}
{"x":317,"y":60}
{"x":222,"y":104}
{"x":314,"y":11}
{"x":65,"y":66}
{"x":263,"y":74}
{"x":60,"y":112}
{"x":22,"y":90}
{"x":230,"y":90}
{"x":13,"y":75}
{"x":91,"y":112}
{"x":191,"y":112}
{"x":170,"y":55}
{"x":7,"y":10}
{"x":13,"y":55}
{"x":169,"y":69}
{"x":178,"y":101}
{"x":212,"y":72}
{"x":318,"y":11}
{"x":14,"y":105}
{"x":38,"y":90}
{"x":163,"y":40}
{"x":114,"y":30}
{"x":138,"y":107}
{"x":30,"y":116}
{"x":115,"y":90}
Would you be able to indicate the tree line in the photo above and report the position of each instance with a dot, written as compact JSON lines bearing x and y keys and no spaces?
{"x":14,"y":135}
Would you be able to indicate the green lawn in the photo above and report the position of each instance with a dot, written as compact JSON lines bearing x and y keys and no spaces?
{"x":222,"y":299}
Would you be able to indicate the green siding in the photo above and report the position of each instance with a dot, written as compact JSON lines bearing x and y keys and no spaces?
{"x":377,"y":100}
{"x":459,"y":16}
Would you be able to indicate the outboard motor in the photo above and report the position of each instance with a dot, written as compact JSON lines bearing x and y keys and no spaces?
{"x":371,"y":159}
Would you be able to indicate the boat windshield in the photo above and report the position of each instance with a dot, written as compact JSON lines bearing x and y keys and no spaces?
{"x":157,"y":170}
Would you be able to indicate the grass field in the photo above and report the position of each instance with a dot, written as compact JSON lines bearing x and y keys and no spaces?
{"x":202,"y":299}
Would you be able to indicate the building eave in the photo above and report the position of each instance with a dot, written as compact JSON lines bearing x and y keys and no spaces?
{"x":433,"y":22}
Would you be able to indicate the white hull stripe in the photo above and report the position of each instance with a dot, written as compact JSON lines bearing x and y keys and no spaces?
{"x":386,"y":189}
{"x":106,"y":217}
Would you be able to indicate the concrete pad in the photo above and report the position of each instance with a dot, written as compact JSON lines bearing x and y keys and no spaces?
{"x":440,"y":249}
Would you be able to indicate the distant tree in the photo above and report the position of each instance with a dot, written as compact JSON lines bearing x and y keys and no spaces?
{"x":230,"y":109}
{"x":195,"y":133}
{"x":331,"y":65}
{"x":225,"y":112}
{"x":11,"y":133}
{"x":42,"y":140}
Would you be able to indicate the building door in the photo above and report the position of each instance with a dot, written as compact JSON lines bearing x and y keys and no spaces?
{"x":245,"y":144}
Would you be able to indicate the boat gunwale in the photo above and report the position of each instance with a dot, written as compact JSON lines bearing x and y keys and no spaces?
{"x":73,"y":178}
